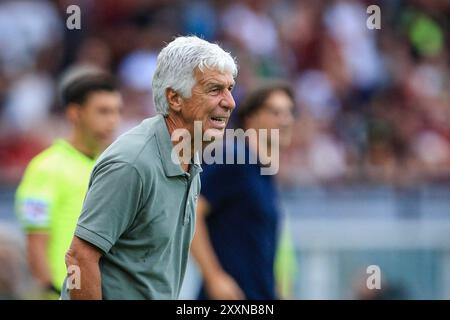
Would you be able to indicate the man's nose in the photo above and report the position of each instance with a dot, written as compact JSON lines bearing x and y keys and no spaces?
{"x":228,"y":101}
{"x":288,"y":118}
{"x":114,"y":120}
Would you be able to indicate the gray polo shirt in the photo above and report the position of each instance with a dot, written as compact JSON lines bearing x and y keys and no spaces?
{"x":140,"y":212}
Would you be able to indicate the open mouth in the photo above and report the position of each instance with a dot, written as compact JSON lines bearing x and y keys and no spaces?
{"x":218,"y":122}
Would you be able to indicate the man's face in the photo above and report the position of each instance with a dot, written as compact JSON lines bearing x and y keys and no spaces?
{"x":99,"y":117}
{"x":211,"y":102}
{"x":276,"y":113}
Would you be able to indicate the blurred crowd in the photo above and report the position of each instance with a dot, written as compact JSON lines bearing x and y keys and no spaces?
{"x":373,"y":106}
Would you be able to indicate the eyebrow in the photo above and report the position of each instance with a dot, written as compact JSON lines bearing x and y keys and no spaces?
{"x":218,"y":84}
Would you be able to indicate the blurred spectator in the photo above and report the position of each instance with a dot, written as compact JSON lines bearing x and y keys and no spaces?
{"x":245,"y":21}
{"x":200,"y":18}
{"x":28,"y":27}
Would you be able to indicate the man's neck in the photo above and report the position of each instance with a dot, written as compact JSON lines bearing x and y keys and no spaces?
{"x":80,"y":145}
{"x":172,"y":125}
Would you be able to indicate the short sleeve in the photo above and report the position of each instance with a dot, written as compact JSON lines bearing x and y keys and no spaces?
{"x":36,"y":196}
{"x":111,"y":204}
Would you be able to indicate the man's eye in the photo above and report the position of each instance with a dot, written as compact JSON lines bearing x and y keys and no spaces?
{"x":103,"y":111}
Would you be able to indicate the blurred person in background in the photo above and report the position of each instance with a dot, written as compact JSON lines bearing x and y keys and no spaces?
{"x":238,"y":216}
{"x":51,"y":193}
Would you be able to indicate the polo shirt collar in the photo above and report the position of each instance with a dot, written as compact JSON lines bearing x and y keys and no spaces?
{"x":165,"y":146}
{"x":196,"y":167}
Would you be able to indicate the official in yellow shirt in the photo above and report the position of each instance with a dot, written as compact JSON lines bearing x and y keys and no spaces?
{"x":50,"y":195}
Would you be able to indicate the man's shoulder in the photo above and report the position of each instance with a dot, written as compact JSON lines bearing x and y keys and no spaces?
{"x":48,"y":159}
{"x":136,"y":147}
{"x":42,"y":173}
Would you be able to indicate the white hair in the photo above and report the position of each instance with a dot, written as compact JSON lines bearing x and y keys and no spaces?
{"x":177,"y":62}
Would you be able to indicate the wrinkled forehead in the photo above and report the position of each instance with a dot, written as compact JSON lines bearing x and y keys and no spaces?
{"x":210,"y":76}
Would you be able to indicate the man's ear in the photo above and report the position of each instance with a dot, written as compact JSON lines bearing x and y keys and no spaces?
{"x":73,"y":112}
{"x":174,"y":100}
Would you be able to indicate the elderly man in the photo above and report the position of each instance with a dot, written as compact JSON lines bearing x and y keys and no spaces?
{"x":133,"y":236}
